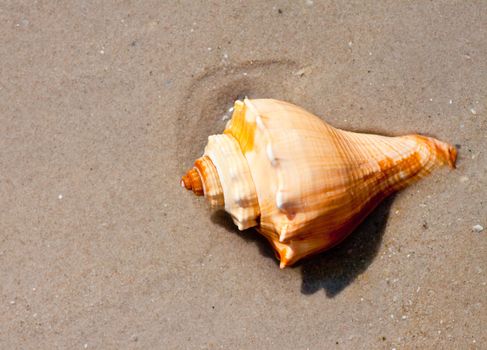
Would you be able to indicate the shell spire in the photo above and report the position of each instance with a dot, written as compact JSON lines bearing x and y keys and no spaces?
{"x":304,"y":184}
{"x":192,"y":181}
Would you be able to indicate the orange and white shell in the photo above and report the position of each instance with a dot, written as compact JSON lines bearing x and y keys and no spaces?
{"x":302,"y":183}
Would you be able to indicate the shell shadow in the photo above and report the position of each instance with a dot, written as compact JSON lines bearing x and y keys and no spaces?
{"x":332,"y":270}
{"x":221,"y":218}
{"x":337,"y":268}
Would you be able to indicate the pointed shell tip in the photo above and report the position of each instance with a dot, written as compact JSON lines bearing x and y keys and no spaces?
{"x":192,"y":181}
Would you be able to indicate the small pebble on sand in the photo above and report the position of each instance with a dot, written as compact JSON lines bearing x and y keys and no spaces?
{"x":477,"y":228}
{"x":303,"y":71}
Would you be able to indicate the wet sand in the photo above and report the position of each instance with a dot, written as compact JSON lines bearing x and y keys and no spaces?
{"x":104,"y":105}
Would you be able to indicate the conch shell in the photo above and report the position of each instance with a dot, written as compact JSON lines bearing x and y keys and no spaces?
{"x":302,"y":183}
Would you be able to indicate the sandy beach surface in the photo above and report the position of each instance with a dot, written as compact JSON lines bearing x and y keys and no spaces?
{"x":105,"y":104}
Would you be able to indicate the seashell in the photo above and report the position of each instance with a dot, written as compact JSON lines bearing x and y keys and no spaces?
{"x":302,"y":183}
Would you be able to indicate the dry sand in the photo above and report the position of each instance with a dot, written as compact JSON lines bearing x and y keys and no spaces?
{"x":104,"y":104}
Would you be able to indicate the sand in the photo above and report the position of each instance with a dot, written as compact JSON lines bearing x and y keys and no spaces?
{"x":104,"y":105}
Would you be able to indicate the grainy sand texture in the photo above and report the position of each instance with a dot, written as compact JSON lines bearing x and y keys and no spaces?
{"x":105,"y":104}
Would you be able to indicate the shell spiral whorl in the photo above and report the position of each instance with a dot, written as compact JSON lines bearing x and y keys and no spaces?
{"x":203,"y":179}
{"x":192,"y":182}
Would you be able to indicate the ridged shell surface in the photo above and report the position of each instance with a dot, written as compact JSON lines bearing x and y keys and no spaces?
{"x":306,"y":185}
